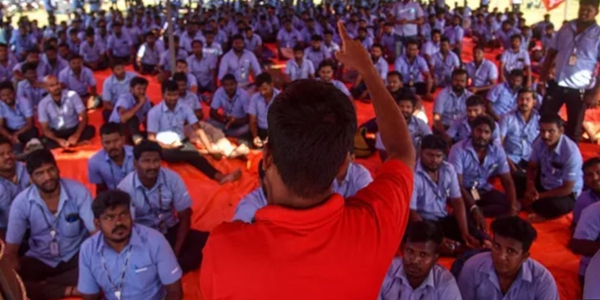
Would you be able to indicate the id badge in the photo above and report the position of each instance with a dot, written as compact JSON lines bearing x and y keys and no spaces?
{"x":54,"y":249}
{"x":572,"y":60}
{"x":475,"y":194}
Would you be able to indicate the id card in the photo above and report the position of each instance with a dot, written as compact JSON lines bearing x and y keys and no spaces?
{"x":572,"y":60}
{"x":475,"y":194}
{"x":54,"y":249}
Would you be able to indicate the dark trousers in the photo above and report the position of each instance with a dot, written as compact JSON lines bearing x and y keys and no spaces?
{"x":556,"y":96}
{"x":190,"y":257}
{"x":132,"y":129}
{"x":552,"y":207}
{"x":520,"y":178}
{"x":24,"y":138}
{"x":44,"y":282}
{"x":190,"y":155}
{"x":87,"y":134}
{"x":122,"y":59}
{"x":145,"y":69}
{"x":493,"y":203}
{"x":370,"y":125}
{"x":106,"y":115}
{"x":449,"y":226}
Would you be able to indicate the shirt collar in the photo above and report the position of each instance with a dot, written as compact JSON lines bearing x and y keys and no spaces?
{"x":134,"y":239}
{"x":126,"y":150}
{"x":559,"y":144}
{"x":165,"y":108}
{"x":428,"y":281}
{"x":137,"y":184}
{"x":62,"y":198}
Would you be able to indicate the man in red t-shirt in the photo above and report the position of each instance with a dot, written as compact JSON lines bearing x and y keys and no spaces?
{"x":309,"y":243}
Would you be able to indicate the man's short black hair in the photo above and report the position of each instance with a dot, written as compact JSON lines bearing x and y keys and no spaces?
{"x":116,"y":62}
{"x":526,"y":90}
{"x":228,"y":77}
{"x":169,"y":86}
{"x":516,"y":73}
{"x":5,"y":141}
{"x":110,"y":128}
{"x":109,"y":199}
{"x":237,"y":37}
{"x":377,"y":45}
{"x":326,"y":63}
{"x":484,"y":119}
{"x":515,"y":228}
{"x":594,"y":3}
{"x":74,"y":56}
{"x":137,"y":80}
{"x":263,"y":78}
{"x":434,"y":142}
{"x":423,"y":232}
{"x":515,"y":36}
{"x":395,"y":73}
{"x":552,"y":118}
{"x":298,"y":48}
{"x":146,"y":146}
{"x":445,"y":40}
{"x":311,"y":127}
{"x":475,"y":100}
{"x":180,"y":77}
{"x":458,"y":72}
{"x":196,"y":42}
{"x":436,"y":31}
{"x":407,"y":95}
{"x":7,"y":85}
{"x":412,"y":41}
{"x":588,"y":163}
{"x":316,"y":38}
{"x":38,"y":158}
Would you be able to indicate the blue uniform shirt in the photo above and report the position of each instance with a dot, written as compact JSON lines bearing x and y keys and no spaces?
{"x":162,"y":119}
{"x":288,"y":39}
{"x":409,"y":11}
{"x":16,"y":118}
{"x":6,"y":72}
{"x":73,"y":222}
{"x":482,"y":75}
{"x":429,"y":198}
{"x":478,"y":280}
{"x":9,"y":190}
{"x":316,"y":56}
{"x":301,"y":71}
{"x":443,"y":67}
{"x":119,"y":46}
{"x":127,"y":101}
{"x":152,"y":265}
{"x":562,"y":163}
{"x":149,"y":55}
{"x":235,"y":107}
{"x":168,"y":195}
{"x":411,"y":71}
{"x":164,"y":60}
{"x":33,"y":94}
{"x":451,"y":106}
{"x":191,"y":100}
{"x":455,"y":34}
{"x":103,"y":170}
{"x":417,"y":129}
{"x":239,"y":66}
{"x":63,"y":116}
{"x":248,"y":206}
{"x":253,"y":43}
{"x":591,"y":288}
{"x":519,"y":135}
{"x":503,"y":98}
{"x":202,"y":69}
{"x":260,"y":108}
{"x":515,"y":61}
{"x":461,"y":130}
{"x":588,"y":228}
{"x":357,"y":177}
{"x":466,"y":163}
{"x":438,"y":285}
{"x":585,"y":199}
{"x":91,"y":53}
{"x":80,"y":83}
{"x":113,"y":88}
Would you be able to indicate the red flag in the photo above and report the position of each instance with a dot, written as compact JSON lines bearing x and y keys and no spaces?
{"x":552,"y":4}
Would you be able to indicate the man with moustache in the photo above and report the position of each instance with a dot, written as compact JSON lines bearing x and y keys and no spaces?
{"x":554,"y":176}
{"x":131,"y":109}
{"x":450,"y":103}
{"x":161,"y":201}
{"x":502,"y":98}
{"x":126,"y":260}
{"x":476,"y":160}
{"x":518,"y":131}
{"x":110,"y":165}
{"x":483,"y":72}
{"x":591,"y":179}
{"x":58,"y":214}
{"x":13,"y":179}
{"x":461,"y":128}
{"x":416,"y":275}
{"x":239,"y":62}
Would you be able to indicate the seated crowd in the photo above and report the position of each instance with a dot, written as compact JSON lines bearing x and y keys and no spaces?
{"x":496,"y":146}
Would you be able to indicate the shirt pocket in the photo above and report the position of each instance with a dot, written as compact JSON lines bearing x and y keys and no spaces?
{"x":69,"y":225}
{"x":144,"y":276}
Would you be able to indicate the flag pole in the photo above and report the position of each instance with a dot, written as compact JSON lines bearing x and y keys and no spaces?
{"x":170,"y":36}
{"x":566,"y":12}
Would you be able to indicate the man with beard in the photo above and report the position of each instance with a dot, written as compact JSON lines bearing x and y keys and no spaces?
{"x":7,"y":63}
{"x":114,"y":86}
{"x":298,"y":67}
{"x":502,"y":98}
{"x":233,"y":101}
{"x":58,"y":214}
{"x":80,"y":79}
{"x":455,"y":34}
{"x":126,"y":260}
{"x":507,"y":272}
{"x":258,"y":109}
{"x":110,"y":165}
{"x":416,"y":275}
{"x":576,"y":64}
{"x":161,"y":201}
{"x":554,"y":176}
{"x":360,"y":89}
{"x":30,"y":87}
{"x":13,"y":179}
{"x":515,"y":58}
{"x":131,"y":109}
{"x":433,"y":46}
{"x":461,"y":128}
{"x":443,"y":63}
{"x":326,"y":70}
{"x":164,"y":62}
{"x":518,"y":130}
{"x":450,"y":104}
{"x":239,"y":62}
{"x":203,"y":67}
{"x":432,"y":175}
{"x":591,"y":179}
{"x":316,"y":53}
{"x":483,"y":72}
{"x":119,"y":46}
{"x":287,"y":39}
{"x":417,"y":127}
{"x":478,"y":159}
{"x":414,"y":70}
{"x":33,"y":57}
{"x":16,"y":117}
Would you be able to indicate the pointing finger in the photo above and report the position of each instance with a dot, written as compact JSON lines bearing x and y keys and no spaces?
{"x":343,"y":32}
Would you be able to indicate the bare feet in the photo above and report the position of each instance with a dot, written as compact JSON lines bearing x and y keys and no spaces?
{"x":225,"y":178}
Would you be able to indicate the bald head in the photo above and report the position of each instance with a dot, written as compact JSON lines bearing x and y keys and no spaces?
{"x":52,"y":85}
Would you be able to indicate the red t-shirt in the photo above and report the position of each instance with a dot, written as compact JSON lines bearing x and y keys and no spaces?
{"x":340,"y":249}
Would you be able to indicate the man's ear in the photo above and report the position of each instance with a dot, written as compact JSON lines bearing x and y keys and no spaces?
{"x":344,"y":167}
{"x":267,"y":157}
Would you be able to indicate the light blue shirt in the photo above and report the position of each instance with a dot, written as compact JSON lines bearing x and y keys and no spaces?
{"x":562,"y":163}
{"x":235,"y":107}
{"x":581,"y":75}
{"x":301,"y":71}
{"x":466,"y":163}
{"x":190,"y":99}
{"x":168,"y":195}
{"x":585,"y":199}
{"x":504,"y":36}
{"x":91,"y":53}
{"x":478,"y":280}
{"x":59,"y":65}
{"x":341,"y":86}
{"x":260,"y":108}
{"x":73,"y":222}
{"x":288,"y":39}
{"x":40,"y":71}
{"x":410,"y":12}
{"x":248,"y":206}
{"x":79,"y":84}
{"x":63,"y":116}
{"x":152,"y":265}
{"x":103,"y":170}
{"x":9,"y":190}
{"x":591,"y":288}
{"x":127,"y":101}
{"x":482,"y":75}
{"x":16,"y":118}
{"x":239,"y":66}
{"x":33,"y":94}
{"x":382,"y":67}
{"x":316,"y":57}
{"x":185,"y":41}
{"x":6,"y":72}
{"x":503,"y":98}
{"x":588,"y":228}
{"x":430,"y":48}
{"x":113,"y":88}
{"x":443,"y":67}
{"x":451,"y":106}
{"x":455,"y":34}
{"x":253,"y":43}
{"x":388,"y":41}
{"x":515,"y":61}
{"x":461,"y":130}
{"x":411,"y":71}
{"x":417,"y":129}
{"x":438,"y":285}
{"x":164,"y":60}
{"x":202,"y":69}
{"x":519,"y":135}
{"x":429,"y":198}
{"x":149,"y":55}
{"x":119,"y":46}
{"x":162,"y":119}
